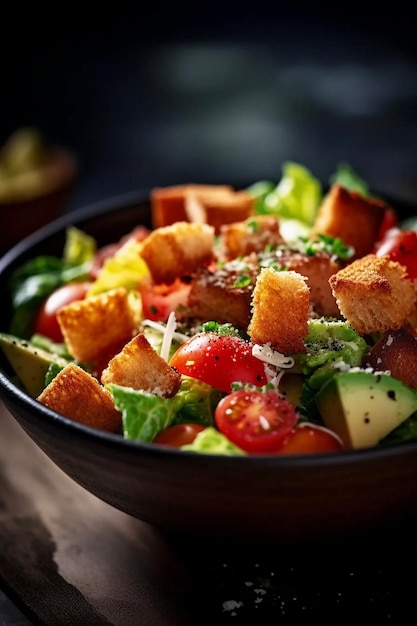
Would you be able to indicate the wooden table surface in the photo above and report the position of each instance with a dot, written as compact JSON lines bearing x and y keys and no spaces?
{"x":68,"y":558}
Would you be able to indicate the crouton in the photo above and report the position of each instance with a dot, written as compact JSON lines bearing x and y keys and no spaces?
{"x":223,"y":294}
{"x":218,"y":209}
{"x":93,"y":325}
{"x":168,"y":203}
{"x":251,"y":235}
{"x":317,"y":269}
{"x":177,"y":250}
{"x":139,"y":366}
{"x":280,"y":310}
{"x":352,"y":217}
{"x":396,"y":352}
{"x":373,"y":294}
{"x":209,"y":204}
{"x":79,"y":396}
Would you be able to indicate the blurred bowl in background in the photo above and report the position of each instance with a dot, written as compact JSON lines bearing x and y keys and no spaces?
{"x":36,"y":181}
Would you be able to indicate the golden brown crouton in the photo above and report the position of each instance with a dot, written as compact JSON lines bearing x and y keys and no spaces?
{"x":280,"y":310}
{"x":352,"y":217}
{"x":218,"y":209}
{"x":396,"y":352}
{"x":251,"y":235}
{"x":139,"y":366}
{"x":317,"y":269}
{"x":79,"y":396}
{"x":224,"y":294}
{"x":168,"y":203}
{"x":177,"y":250}
{"x":209,"y":204}
{"x":91,"y":326}
{"x":373,"y":294}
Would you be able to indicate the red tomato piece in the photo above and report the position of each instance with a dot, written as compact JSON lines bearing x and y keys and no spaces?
{"x":308,"y":438}
{"x":46,"y":322}
{"x":219,"y":360}
{"x":255,"y":421}
{"x":178,"y":435}
{"x":401,"y":246}
{"x":390,"y":221}
{"x":158,"y":301}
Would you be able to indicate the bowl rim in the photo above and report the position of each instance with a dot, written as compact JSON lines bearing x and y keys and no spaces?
{"x":11,"y":392}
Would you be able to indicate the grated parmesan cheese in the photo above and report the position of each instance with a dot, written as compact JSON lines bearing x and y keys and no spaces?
{"x":168,"y":335}
{"x":162,"y":328}
{"x":273,"y":357}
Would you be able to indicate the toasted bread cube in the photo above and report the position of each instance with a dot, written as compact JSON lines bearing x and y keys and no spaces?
{"x":93,"y":325}
{"x":139,"y":366}
{"x":374,"y":294}
{"x":251,"y":235}
{"x":218,"y":209}
{"x":168,"y":203}
{"x":177,"y":250}
{"x":352,"y":217}
{"x":317,"y":269}
{"x":396,"y":352}
{"x":280,"y":310}
{"x":222,"y":296}
{"x":79,"y":396}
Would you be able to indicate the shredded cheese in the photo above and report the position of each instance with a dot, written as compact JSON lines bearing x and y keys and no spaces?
{"x":168,"y":334}
{"x":273,"y":357}
{"x":194,"y":210}
{"x":162,"y":329}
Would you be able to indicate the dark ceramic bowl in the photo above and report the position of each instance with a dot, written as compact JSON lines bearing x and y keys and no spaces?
{"x":273,"y":499}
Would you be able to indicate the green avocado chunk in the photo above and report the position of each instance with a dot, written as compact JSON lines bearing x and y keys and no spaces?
{"x":362,"y":407}
{"x":30,"y":363}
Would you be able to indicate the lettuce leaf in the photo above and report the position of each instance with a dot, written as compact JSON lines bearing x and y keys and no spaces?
{"x":296,"y":197}
{"x":211,"y":441}
{"x":144,"y":414}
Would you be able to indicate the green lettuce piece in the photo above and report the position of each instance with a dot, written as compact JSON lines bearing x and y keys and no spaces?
{"x":198,"y":401}
{"x":125,"y":268}
{"x":144,"y":415}
{"x":347,"y":177}
{"x":259,"y":191}
{"x":32,"y":282}
{"x":79,"y":246}
{"x":155,"y":338}
{"x":406,"y":431}
{"x":296,"y":197}
{"x":211,"y":441}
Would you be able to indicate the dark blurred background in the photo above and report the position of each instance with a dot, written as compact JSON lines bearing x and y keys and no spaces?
{"x":151,"y":94}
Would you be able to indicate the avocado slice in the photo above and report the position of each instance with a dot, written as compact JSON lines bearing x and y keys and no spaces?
{"x":30,"y":363}
{"x":362,"y":407}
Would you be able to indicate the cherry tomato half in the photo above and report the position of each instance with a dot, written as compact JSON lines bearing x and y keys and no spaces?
{"x":46,"y":322}
{"x":255,"y":421}
{"x":390,"y":221}
{"x":159,"y":300}
{"x":308,"y":438}
{"x":178,"y":435}
{"x":219,"y":360}
{"x":401,"y":246}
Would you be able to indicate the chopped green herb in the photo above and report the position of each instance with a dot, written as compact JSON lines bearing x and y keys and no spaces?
{"x":242,"y":281}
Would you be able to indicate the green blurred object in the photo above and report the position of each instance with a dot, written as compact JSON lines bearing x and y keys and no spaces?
{"x":36,"y":180}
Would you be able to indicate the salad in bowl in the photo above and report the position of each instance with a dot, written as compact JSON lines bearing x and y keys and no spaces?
{"x":279,"y":319}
